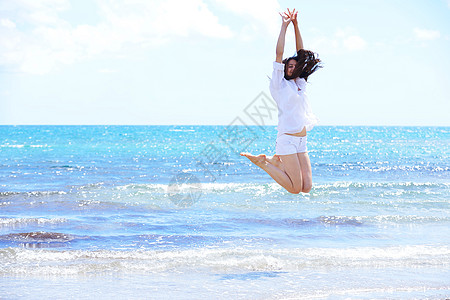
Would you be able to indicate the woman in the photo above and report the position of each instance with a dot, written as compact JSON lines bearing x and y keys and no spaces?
{"x":290,"y":167}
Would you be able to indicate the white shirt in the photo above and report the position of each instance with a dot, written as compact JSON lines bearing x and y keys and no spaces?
{"x":294,"y":112}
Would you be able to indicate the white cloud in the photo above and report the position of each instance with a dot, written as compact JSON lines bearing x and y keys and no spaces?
{"x":354,"y":43}
{"x":7,"y":23}
{"x":179,"y":17}
{"x":345,"y":39}
{"x":261,"y":15}
{"x":426,"y":35}
{"x":50,"y":40}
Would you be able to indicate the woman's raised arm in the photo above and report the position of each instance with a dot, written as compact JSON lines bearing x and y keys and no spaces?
{"x":281,"y":38}
{"x":298,"y":36}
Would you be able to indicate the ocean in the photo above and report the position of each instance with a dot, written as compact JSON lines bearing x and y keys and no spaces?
{"x":174,"y":212}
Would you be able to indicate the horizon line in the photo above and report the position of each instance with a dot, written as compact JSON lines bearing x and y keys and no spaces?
{"x":324,"y":125}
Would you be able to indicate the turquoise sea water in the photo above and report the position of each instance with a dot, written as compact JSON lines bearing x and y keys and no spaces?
{"x":175,"y":212}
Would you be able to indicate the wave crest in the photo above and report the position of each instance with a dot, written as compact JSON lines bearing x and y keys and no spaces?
{"x":29,"y":262}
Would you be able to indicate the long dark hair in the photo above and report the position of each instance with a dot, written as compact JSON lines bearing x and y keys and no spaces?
{"x":307,"y":63}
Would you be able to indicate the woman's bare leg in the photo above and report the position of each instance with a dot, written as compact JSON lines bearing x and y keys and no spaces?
{"x":305,"y":167}
{"x":290,"y":178}
{"x":276,"y":161}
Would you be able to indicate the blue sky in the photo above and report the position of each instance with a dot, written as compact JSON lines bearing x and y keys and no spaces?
{"x":203,"y":61}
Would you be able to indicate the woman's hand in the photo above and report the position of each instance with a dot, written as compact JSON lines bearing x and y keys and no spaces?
{"x":293,"y":16}
{"x":286,"y":18}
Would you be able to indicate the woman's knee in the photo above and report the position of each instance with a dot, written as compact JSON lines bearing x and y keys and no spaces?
{"x":306,"y":189}
{"x":300,"y":190}
{"x":295,"y":190}
{"x":307,"y":186}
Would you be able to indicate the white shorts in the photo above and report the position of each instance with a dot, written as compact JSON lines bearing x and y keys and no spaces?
{"x":290,"y":144}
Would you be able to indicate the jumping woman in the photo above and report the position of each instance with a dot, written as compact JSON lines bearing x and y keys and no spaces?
{"x":290,"y":166}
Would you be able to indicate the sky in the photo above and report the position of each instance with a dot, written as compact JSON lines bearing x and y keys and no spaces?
{"x":201,"y":62}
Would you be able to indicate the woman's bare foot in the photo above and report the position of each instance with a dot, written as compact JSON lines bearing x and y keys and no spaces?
{"x":259,"y":160}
